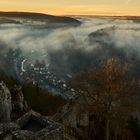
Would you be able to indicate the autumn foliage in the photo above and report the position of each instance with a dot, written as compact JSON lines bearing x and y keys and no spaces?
{"x":108,"y":97}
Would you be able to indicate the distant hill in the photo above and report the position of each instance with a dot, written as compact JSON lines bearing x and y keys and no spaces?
{"x":40,"y":18}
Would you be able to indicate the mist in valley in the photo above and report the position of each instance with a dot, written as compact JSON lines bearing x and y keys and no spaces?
{"x":72,"y":50}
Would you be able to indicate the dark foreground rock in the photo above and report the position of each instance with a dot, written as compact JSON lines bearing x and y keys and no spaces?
{"x":5,"y":103}
{"x":32,"y":126}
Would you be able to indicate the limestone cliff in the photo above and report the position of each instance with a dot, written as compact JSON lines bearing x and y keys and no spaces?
{"x":5,"y":103}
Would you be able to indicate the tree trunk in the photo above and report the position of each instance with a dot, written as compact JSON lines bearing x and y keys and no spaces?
{"x":107,"y":134}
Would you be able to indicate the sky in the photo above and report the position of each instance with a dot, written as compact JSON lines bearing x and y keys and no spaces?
{"x":74,"y":7}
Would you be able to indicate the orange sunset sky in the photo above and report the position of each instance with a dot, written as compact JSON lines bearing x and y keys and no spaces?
{"x":74,"y":7}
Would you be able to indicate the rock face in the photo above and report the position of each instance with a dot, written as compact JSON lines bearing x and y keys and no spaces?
{"x":5,"y":103}
{"x":18,"y":99}
{"x":12,"y":105}
{"x":32,"y":126}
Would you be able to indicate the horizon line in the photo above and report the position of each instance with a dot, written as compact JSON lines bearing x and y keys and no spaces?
{"x":96,"y":15}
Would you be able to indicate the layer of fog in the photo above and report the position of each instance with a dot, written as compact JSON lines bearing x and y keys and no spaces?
{"x":68,"y":50}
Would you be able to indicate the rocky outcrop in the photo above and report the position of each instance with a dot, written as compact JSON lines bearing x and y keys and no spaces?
{"x":5,"y":104}
{"x":18,"y":99}
{"x":12,"y":105}
{"x":6,"y":130}
{"x":19,"y":105}
{"x":32,"y":126}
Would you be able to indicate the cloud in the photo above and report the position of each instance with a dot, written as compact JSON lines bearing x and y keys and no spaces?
{"x":69,"y":50}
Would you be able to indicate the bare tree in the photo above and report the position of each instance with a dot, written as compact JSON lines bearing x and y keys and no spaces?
{"x":108,"y":97}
